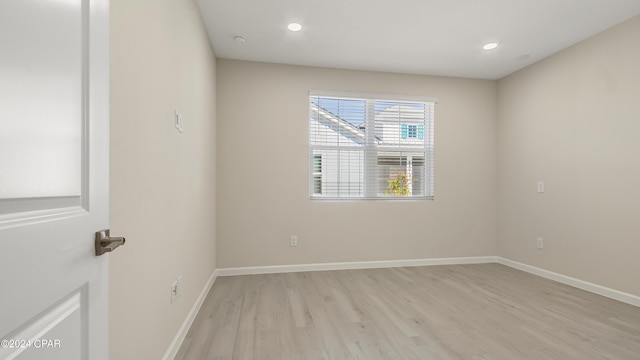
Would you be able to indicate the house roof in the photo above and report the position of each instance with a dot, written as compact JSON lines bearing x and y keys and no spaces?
{"x":327,"y":116}
{"x":358,"y":132}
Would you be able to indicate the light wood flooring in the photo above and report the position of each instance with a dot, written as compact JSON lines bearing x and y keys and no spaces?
{"x":477,"y":312}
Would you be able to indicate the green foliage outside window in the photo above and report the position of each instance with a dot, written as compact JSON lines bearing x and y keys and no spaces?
{"x":398,"y":185}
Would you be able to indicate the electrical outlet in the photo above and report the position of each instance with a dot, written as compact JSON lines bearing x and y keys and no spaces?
{"x":175,"y":291}
{"x":540,"y":186}
{"x":293,"y":241}
{"x":177,"y":120}
{"x":540,"y":243}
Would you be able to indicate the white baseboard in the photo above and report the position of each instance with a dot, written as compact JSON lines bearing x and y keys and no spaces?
{"x":567,"y":280}
{"x":577,"y":283}
{"x":172,"y":351}
{"x":256,"y":270}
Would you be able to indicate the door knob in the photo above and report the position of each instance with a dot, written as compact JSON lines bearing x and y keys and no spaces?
{"x":106,"y":243}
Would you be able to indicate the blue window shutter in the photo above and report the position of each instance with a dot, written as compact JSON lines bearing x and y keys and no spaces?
{"x":420,"y":131}
{"x":404,"y":131}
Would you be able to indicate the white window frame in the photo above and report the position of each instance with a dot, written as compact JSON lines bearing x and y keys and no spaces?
{"x":370,"y":192}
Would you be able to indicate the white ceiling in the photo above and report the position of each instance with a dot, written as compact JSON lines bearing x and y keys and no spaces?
{"x":433,"y":37}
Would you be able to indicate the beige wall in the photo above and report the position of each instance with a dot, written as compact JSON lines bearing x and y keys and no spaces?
{"x":263,"y":195}
{"x":573,"y":121}
{"x":162,"y":182}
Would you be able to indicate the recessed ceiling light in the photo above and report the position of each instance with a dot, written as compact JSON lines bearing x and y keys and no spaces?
{"x":294,"y":27}
{"x":490,"y":46}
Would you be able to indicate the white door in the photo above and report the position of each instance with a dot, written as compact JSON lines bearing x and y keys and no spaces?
{"x":53,"y":178}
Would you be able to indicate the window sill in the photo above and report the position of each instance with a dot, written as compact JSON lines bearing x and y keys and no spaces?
{"x":356,"y":199}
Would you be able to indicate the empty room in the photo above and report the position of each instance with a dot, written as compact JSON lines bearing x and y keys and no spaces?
{"x":208,"y":179}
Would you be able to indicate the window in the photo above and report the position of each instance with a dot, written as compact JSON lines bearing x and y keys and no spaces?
{"x":317,"y":174}
{"x":412,"y":131}
{"x":370,"y":148}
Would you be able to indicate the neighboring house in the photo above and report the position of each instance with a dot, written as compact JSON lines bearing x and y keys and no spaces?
{"x":336,"y":172}
{"x":407,"y":133}
{"x":339,"y":162}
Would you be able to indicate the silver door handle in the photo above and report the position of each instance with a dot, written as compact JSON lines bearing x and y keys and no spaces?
{"x":106,"y":243}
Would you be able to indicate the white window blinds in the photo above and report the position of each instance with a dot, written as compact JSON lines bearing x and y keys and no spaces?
{"x":370,"y":148}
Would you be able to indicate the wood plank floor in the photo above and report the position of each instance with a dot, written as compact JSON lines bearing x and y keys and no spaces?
{"x":479,"y":312}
